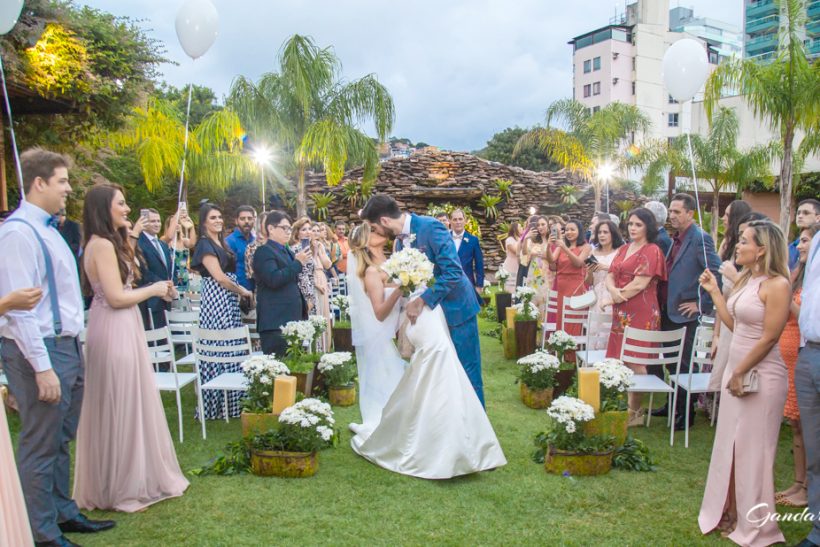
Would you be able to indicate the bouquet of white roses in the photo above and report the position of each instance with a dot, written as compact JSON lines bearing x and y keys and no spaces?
{"x":501,"y":276}
{"x":560,"y":342}
{"x":615,"y":380}
{"x":538,"y":370}
{"x":410,"y":269}
{"x":260,"y":370}
{"x":525,"y":310}
{"x":338,"y":368}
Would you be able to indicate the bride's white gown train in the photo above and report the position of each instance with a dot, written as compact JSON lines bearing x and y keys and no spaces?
{"x":433,"y":426}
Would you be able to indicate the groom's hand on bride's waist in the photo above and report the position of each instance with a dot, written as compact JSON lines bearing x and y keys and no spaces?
{"x":414,"y":309}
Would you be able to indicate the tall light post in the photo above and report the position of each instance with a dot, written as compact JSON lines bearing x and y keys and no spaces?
{"x":262,"y":156}
{"x":605,"y":172}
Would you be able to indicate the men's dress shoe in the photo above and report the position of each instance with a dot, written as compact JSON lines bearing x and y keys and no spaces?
{"x":661,"y":412}
{"x":61,"y":541}
{"x":83,"y":525}
{"x":807,"y":543}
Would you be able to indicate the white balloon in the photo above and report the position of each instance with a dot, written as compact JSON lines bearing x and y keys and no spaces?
{"x":197,"y":26}
{"x":9,"y":13}
{"x":685,"y":68}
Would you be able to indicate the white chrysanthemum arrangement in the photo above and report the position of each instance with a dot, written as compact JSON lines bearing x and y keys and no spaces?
{"x":501,"y":276}
{"x":525,"y":309}
{"x":261,"y":370}
{"x":307,"y":426}
{"x":560,"y":342}
{"x":538,"y":370}
{"x":615,"y":381}
{"x":338,"y":368}
{"x":410,"y":269}
{"x":342,"y":302}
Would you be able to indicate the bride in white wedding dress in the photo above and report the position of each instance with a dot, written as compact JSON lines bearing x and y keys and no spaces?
{"x":433,"y":425}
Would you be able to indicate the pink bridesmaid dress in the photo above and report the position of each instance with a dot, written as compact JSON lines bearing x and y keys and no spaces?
{"x":747,"y":432}
{"x":125,"y":456}
{"x":14,"y":526}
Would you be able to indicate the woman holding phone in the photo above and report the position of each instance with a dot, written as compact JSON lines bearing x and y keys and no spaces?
{"x":321,"y":264}
{"x":300,"y":239}
{"x":180,"y":235}
{"x":569,"y":253}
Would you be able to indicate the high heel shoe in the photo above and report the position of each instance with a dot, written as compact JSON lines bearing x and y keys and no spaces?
{"x":636,"y":418}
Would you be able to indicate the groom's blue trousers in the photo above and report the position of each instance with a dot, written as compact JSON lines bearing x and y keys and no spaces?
{"x":465,"y":339}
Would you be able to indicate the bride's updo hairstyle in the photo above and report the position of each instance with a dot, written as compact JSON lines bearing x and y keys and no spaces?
{"x":358,"y":246}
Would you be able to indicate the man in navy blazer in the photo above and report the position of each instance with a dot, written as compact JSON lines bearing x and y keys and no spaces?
{"x":469,"y":251}
{"x":156,"y":266}
{"x":682,"y":300}
{"x":452,"y":290}
{"x":276,"y":271}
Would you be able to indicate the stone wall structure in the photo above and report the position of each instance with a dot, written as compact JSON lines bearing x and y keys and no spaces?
{"x":438,"y":177}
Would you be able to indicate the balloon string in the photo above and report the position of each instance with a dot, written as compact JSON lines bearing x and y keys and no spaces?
{"x":11,"y":130}
{"x":700,"y":217}
{"x":181,"y":176}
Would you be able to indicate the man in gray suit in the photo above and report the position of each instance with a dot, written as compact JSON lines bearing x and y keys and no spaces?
{"x":682,"y":301}
{"x":40,"y":348}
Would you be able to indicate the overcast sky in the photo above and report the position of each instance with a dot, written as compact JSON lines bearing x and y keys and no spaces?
{"x":458,"y":70}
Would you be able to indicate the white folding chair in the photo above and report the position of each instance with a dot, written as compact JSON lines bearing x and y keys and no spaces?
{"x":205,"y":351}
{"x":573,"y":316}
{"x":600,"y":326}
{"x":694,"y":381}
{"x":548,"y":327}
{"x":342,"y":284}
{"x":662,"y":348}
{"x":249,"y":319}
{"x":182,"y":325}
{"x":161,"y":350}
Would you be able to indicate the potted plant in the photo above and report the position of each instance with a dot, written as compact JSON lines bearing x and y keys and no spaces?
{"x":301,"y":337}
{"x":260,"y":370}
{"x":339,"y":370}
{"x":291,"y":450}
{"x":613,"y":416}
{"x":560,"y":343}
{"x":342,"y":338}
{"x":526,"y":321}
{"x":537,"y":378}
{"x":486,"y":293}
{"x":567,"y":448}
{"x":503,"y":299}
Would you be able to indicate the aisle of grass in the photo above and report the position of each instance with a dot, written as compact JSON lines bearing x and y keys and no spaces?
{"x":352,"y":502}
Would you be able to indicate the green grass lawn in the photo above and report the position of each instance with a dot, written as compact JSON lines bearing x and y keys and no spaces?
{"x":352,"y":502}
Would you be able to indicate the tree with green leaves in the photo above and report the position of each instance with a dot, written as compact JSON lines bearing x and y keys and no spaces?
{"x":717,"y":159}
{"x":203,"y":100}
{"x":313,"y":117}
{"x":501,"y":146}
{"x":785,"y":93}
{"x":589,"y":140}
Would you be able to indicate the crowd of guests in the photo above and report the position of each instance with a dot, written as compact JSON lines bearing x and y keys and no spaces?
{"x":762,"y":292}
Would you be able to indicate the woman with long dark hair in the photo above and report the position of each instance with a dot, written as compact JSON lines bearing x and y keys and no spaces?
{"x":535,"y":247}
{"x":608,"y":240}
{"x":125,"y":456}
{"x":568,"y":254}
{"x":632,"y":283}
{"x":511,"y":244}
{"x":219,"y":308}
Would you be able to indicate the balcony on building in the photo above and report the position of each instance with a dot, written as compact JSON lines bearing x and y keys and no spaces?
{"x":760,"y":8}
{"x":761,"y":24}
{"x":610,"y":32}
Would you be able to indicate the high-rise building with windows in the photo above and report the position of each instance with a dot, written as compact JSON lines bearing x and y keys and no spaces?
{"x":761,"y":21}
{"x":726,"y":40}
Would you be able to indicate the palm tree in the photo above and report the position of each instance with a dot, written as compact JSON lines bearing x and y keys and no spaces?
{"x":591,"y":139}
{"x":312,"y":115}
{"x":156,"y":134}
{"x":784,"y":92}
{"x":717,"y":159}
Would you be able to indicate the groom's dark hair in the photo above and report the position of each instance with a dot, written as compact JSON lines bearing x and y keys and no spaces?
{"x":380,"y":205}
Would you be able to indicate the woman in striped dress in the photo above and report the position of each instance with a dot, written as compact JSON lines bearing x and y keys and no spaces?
{"x":219,"y":308}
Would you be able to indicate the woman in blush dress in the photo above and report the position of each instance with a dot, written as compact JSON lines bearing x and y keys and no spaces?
{"x":321,"y":264}
{"x":14,"y":525}
{"x":739,"y":495}
{"x":632,"y":284}
{"x":607,"y":239}
{"x":125,"y":456}
{"x":511,"y":245}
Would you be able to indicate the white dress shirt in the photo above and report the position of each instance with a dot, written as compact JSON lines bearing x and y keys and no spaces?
{"x":155,"y":243}
{"x":458,"y":238}
{"x":810,"y":297}
{"x":23,"y":266}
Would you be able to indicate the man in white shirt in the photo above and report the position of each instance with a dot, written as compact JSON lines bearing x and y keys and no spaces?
{"x":468,"y":250}
{"x":40,"y":348}
{"x":807,"y":384}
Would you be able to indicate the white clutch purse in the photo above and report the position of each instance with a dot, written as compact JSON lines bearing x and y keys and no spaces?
{"x":751,"y":381}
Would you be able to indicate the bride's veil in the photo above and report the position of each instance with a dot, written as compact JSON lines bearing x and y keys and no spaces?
{"x":363,"y":323}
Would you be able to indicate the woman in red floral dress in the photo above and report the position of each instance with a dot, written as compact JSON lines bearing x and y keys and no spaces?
{"x":632,"y":283}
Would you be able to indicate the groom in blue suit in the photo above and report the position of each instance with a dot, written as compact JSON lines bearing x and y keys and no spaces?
{"x":452,"y":290}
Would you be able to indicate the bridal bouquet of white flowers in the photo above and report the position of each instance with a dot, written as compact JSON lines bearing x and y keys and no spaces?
{"x":502,"y":275}
{"x":307,"y":426}
{"x":525,"y":310}
{"x":338,"y":368}
{"x":410,"y":269}
{"x":538,"y":370}
{"x":615,"y":380}
{"x":260,"y":370}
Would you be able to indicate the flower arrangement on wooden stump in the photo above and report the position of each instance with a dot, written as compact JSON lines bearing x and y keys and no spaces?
{"x":302,"y":337}
{"x":339,"y":371}
{"x":536,"y":376}
{"x":559,"y":343}
{"x":503,"y":299}
{"x":261,"y":371}
{"x":341,"y":332}
{"x":566,"y":447}
{"x":291,"y":450}
{"x":615,"y":379}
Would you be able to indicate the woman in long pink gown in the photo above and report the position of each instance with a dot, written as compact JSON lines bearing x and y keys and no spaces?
{"x":739,"y":495}
{"x":125,"y":456}
{"x":14,"y":525}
